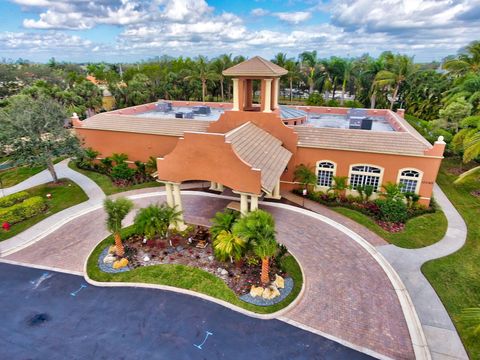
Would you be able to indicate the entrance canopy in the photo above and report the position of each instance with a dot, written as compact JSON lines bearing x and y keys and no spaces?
{"x":246,"y":159}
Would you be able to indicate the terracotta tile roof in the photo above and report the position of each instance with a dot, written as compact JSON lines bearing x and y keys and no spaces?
{"x":262,"y":151}
{"x":360,"y":140}
{"x":255,"y":66}
{"x":156,"y":126}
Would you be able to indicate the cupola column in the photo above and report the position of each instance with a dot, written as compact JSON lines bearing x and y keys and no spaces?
{"x":235,"y":95}
{"x":267,"y":105}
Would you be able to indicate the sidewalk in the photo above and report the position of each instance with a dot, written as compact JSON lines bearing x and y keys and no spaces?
{"x":46,"y":226}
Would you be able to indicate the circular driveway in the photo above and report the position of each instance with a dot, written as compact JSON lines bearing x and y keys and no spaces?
{"x":347,"y":295}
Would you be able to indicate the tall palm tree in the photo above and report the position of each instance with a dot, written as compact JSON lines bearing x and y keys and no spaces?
{"x":257,"y":229}
{"x":116,"y":211}
{"x":293,"y":74}
{"x":202,"y":72}
{"x":400,"y":69}
{"x":468,"y":138}
{"x":347,"y":73}
{"x":310,"y":64}
{"x":219,"y":65}
{"x":280,"y":59}
{"x":466,"y":62}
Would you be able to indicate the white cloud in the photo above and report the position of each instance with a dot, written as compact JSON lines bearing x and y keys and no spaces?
{"x":293,"y":17}
{"x":259,"y":12}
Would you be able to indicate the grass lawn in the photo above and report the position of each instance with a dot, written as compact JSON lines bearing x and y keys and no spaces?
{"x":63,"y":196}
{"x":106,"y":184}
{"x":419,"y":232}
{"x":456,"y":278}
{"x":190,"y":278}
{"x":14,"y":176}
{"x":11,"y":177}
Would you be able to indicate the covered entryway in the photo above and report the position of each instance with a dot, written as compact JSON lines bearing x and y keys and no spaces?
{"x":247,"y":160}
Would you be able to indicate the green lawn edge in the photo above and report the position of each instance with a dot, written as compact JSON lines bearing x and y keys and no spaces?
{"x":456,"y":278}
{"x":189,"y":278}
{"x":14,"y":176}
{"x":106,"y":184}
{"x":63,"y":196}
{"x":420,"y":231}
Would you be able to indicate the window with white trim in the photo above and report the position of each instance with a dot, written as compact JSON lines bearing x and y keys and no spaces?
{"x":409,"y":179}
{"x":325,"y":173}
{"x":364,"y":175}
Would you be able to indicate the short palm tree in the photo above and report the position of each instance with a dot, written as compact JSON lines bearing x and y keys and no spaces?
{"x":392,"y":191}
{"x":228,"y":246}
{"x":339,"y":185}
{"x":223,"y":221}
{"x":257,"y":229}
{"x":116,"y":211}
{"x":305,"y":175}
{"x":119,"y":158}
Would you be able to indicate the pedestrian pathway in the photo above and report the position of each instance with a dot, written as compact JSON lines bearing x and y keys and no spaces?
{"x":442,"y":337}
{"x":39,"y":230}
{"x":441,"y":334}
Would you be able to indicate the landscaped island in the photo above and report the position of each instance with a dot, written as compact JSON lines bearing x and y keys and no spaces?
{"x":237,"y":260}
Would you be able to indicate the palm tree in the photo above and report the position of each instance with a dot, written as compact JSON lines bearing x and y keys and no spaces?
{"x":392,"y":191}
{"x":265,"y":249}
{"x":401,"y":67}
{"x":223,"y":221}
{"x":202,"y":72}
{"x":466,"y":62}
{"x":347,"y":73}
{"x":218,"y":65}
{"x":119,"y":158}
{"x":468,"y":138}
{"x":116,"y":211}
{"x":257,"y":229}
{"x":310,"y":64}
{"x":293,"y":74}
{"x":305,"y":175}
{"x":339,"y":185}
{"x":280,"y":59}
{"x":149,"y":221}
{"x":228,"y":246}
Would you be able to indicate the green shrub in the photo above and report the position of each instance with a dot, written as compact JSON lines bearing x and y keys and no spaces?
{"x":13,"y":199}
{"x":353,"y":104}
{"x":315,"y":100}
{"x":22,"y":211}
{"x":392,"y":210}
{"x":333,"y":103}
{"x":122,"y":172}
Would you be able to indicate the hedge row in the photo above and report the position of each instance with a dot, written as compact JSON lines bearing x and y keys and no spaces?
{"x":13,"y":199}
{"x":22,"y":211}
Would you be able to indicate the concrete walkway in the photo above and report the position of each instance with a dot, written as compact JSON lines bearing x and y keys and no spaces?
{"x":441,"y":334}
{"x":39,"y":230}
{"x":442,"y":337}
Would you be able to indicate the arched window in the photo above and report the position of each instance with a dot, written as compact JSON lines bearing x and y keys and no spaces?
{"x":365,"y":175}
{"x":325,"y":173}
{"x":410,"y":179}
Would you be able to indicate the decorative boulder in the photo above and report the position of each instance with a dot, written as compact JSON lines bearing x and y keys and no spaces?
{"x":110,"y":258}
{"x":270,"y":292}
{"x":120,"y":263}
{"x":279,"y":281}
{"x":112,"y":249}
{"x":146,"y":258}
{"x":256,"y":291}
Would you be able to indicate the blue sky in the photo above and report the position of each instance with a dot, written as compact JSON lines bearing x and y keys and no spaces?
{"x":131,"y":30}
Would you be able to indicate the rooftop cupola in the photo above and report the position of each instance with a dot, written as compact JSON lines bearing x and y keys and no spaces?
{"x":244,"y":75}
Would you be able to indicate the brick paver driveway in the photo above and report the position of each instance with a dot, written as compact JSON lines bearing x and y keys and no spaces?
{"x":347,"y":295}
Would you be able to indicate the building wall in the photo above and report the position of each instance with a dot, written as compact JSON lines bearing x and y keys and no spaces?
{"x":391,"y":164}
{"x":136,"y":146}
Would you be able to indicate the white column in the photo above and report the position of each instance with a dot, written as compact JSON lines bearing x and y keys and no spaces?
{"x":213,"y":185}
{"x":168,"y":190}
{"x":268,"y":96}
{"x":235,"y":95}
{"x":219,"y":187}
{"x":276,"y":190}
{"x":178,"y":206}
{"x":276,"y":87}
{"x":253,"y":202}
{"x":243,"y":204}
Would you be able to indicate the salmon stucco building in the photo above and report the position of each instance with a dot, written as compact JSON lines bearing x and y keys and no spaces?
{"x":253,"y":148}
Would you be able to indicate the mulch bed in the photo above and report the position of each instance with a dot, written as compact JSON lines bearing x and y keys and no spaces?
{"x":239,"y":276}
{"x":391,"y":226}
